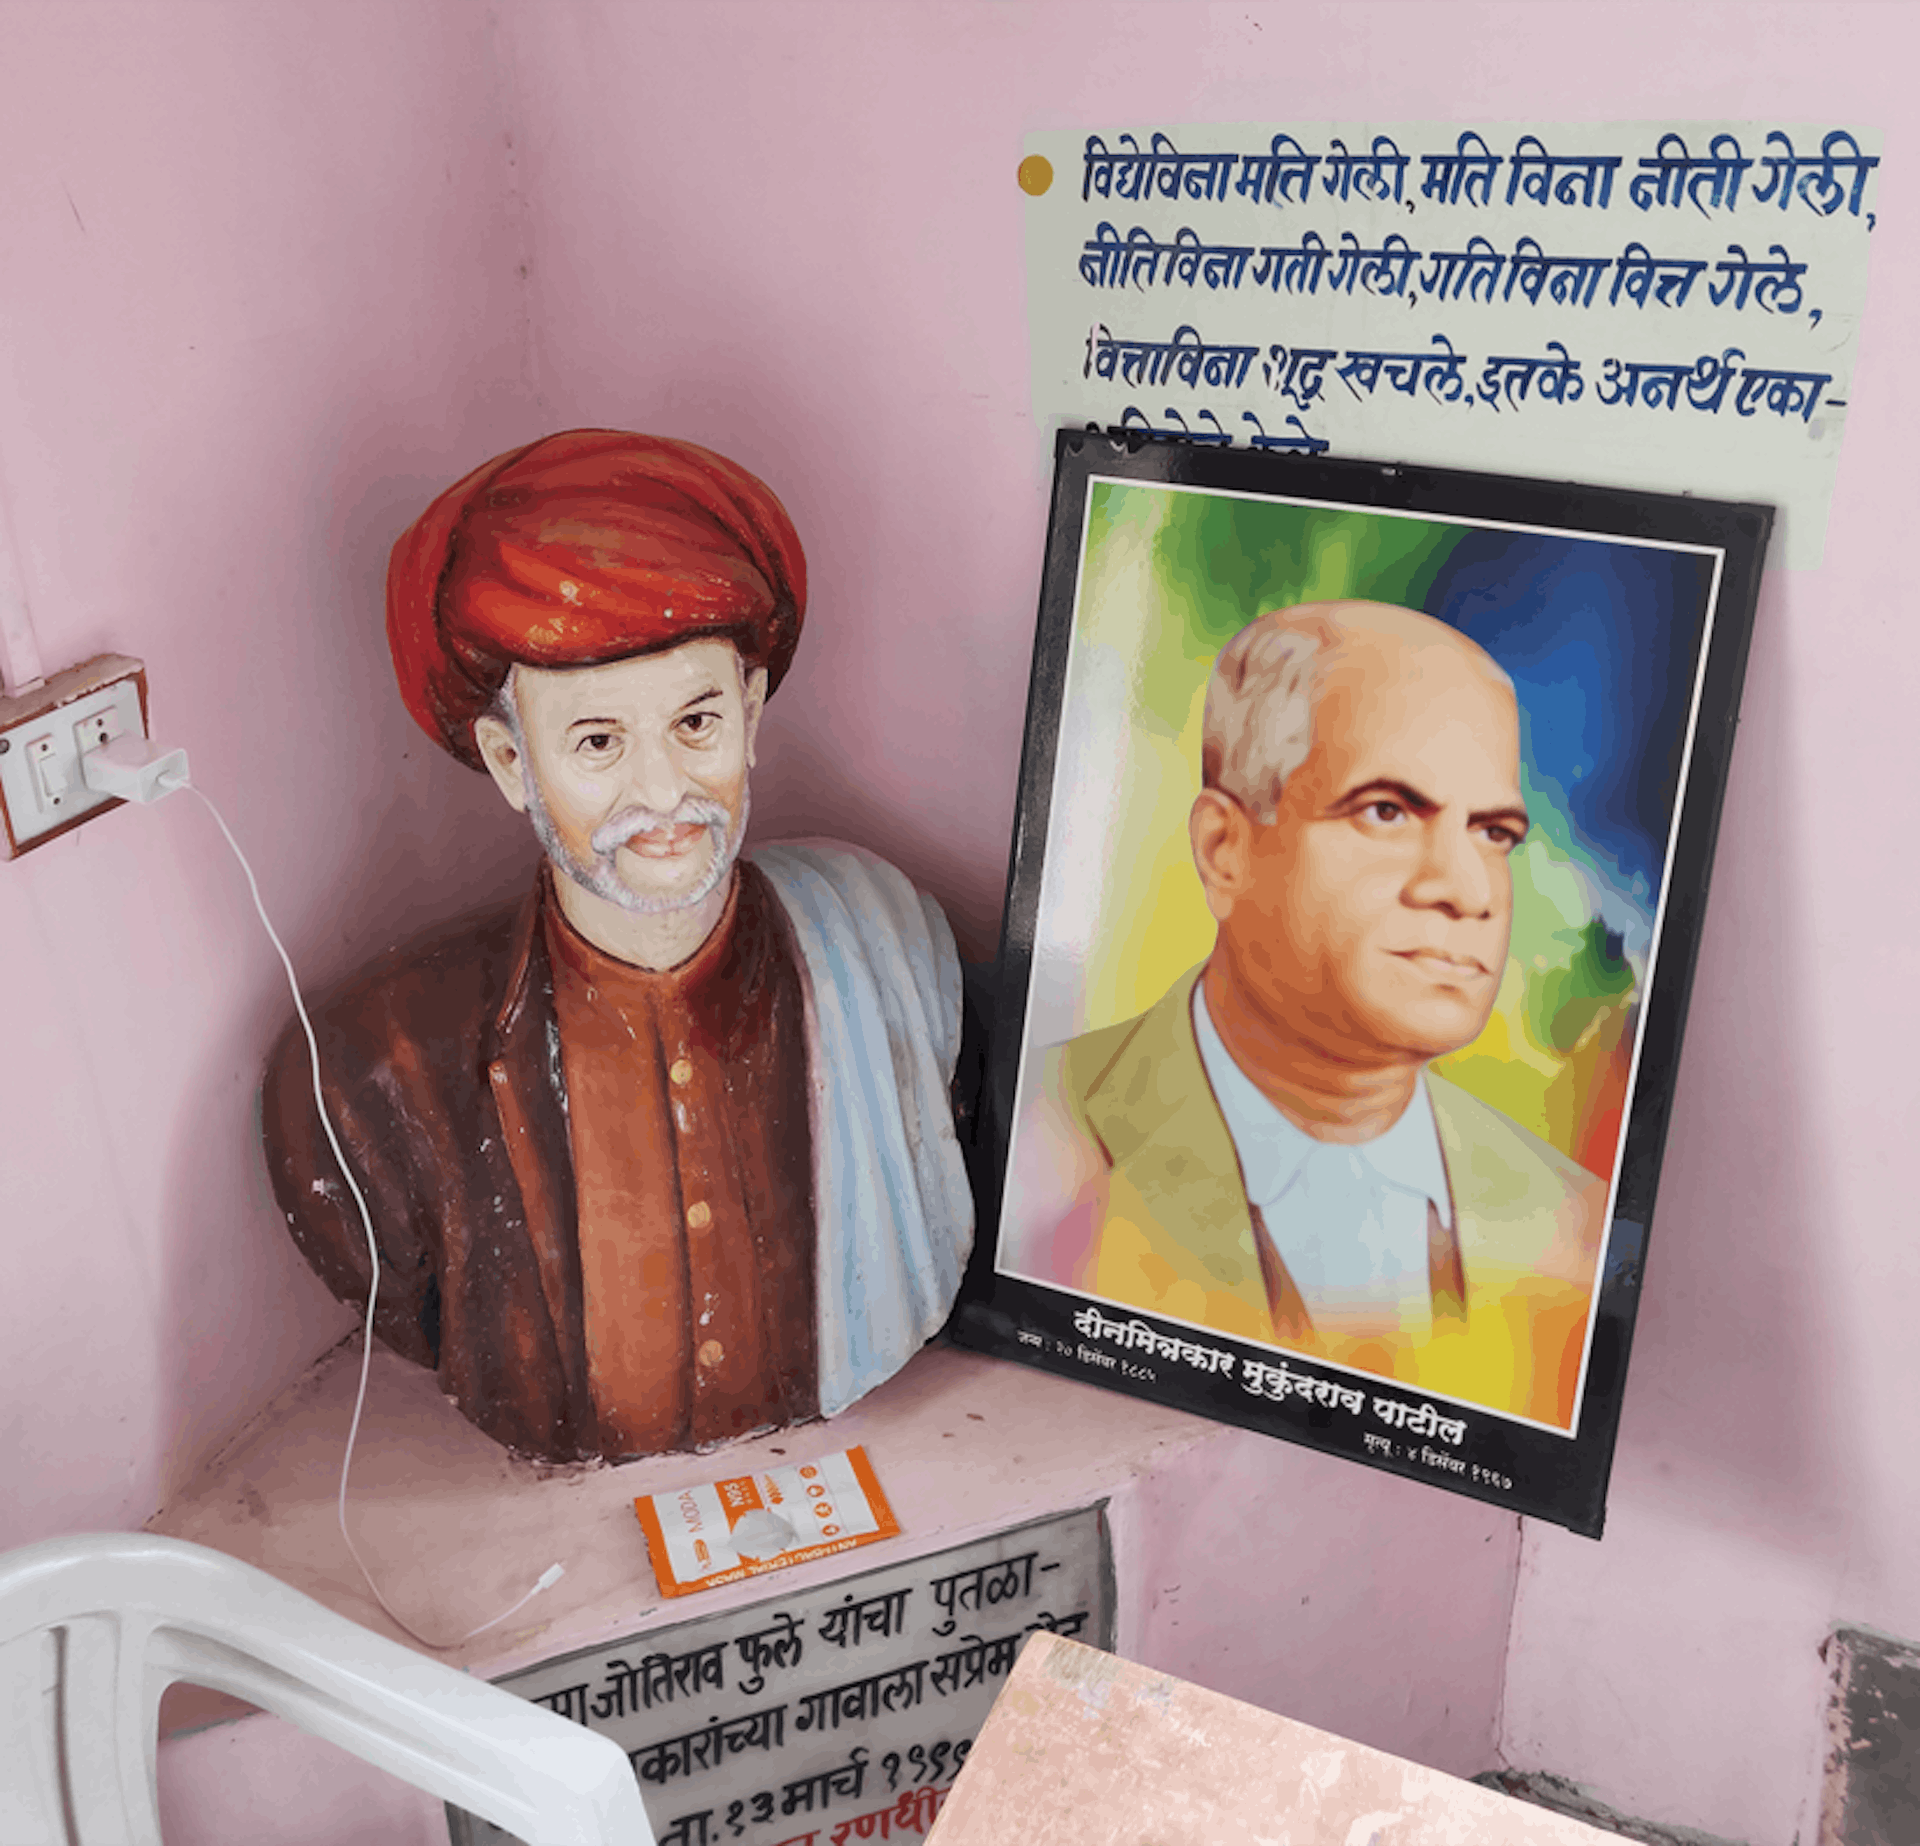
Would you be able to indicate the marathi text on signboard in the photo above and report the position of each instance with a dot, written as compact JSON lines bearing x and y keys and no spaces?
{"x":834,"y":1714}
{"x":1661,"y":306}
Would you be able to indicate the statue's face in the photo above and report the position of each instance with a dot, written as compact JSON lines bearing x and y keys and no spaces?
{"x":1375,"y":914}
{"x":634,"y":773}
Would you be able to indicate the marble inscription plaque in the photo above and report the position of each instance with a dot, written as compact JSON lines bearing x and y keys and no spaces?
{"x":841,"y":1713}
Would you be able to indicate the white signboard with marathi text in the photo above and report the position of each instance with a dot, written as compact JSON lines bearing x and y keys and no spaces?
{"x":1669,"y":307}
{"x":840,"y":1713}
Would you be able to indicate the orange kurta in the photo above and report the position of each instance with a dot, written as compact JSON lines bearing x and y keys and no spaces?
{"x":687,"y":1115}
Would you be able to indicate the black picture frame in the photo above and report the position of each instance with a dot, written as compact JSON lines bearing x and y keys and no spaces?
{"x":1673,"y":581}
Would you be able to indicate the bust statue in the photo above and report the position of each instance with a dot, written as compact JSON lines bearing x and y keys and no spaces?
{"x":662,"y":1154}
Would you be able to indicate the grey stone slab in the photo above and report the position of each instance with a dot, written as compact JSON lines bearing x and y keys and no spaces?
{"x":841,"y":1711}
{"x":1871,"y":1792}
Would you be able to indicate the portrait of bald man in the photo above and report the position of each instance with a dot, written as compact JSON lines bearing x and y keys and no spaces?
{"x":661,"y":1153}
{"x":1265,"y":1152}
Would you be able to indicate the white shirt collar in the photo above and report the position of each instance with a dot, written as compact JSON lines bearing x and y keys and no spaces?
{"x":1272,"y":1150}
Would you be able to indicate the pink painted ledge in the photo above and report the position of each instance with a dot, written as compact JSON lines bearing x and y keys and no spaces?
{"x":1085,"y":1749}
{"x":456,"y":1529}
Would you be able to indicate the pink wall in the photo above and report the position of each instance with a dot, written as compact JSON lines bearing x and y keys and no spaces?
{"x":270,"y":273}
{"x":255,"y":287}
{"x":853,"y":322}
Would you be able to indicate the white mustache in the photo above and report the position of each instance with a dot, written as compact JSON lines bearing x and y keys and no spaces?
{"x":629,"y":823}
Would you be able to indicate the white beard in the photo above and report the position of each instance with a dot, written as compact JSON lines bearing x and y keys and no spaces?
{"x":601,"y":876}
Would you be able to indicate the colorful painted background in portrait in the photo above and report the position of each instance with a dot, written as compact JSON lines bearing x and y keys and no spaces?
{"x":1596,"y":636}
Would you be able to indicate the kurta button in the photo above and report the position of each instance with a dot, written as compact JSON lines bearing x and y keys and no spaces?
{"x":711,"y":1353}
{"x":681,"y":1072}
{"x":699,"y":1217}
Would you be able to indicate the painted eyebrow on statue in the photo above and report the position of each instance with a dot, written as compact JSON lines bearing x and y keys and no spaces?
{"x":701,"y":698}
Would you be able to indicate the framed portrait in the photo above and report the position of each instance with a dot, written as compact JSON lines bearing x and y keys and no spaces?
{"x":1366,"y":816}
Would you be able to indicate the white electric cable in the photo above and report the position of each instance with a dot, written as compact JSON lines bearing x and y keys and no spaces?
{"x":553,"y":1572}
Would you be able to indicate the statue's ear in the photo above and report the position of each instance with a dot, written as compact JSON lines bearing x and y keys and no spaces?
{"x":754,"y":690}
{"x":501,"y":754}
{"x":1221,"y":832}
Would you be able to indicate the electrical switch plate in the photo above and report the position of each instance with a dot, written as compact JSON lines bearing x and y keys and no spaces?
{"x":43,"y":733}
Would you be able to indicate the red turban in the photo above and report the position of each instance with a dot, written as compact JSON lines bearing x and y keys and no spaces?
{"x":582,"y":548}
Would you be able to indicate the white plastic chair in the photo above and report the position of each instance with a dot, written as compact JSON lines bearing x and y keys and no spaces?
{"x":93,"y":1630}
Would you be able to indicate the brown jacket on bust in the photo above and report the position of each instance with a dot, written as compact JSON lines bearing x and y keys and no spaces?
{"x":446,"y":1076}
{"x":441,"y":1063}
{"x":449,"y":1084}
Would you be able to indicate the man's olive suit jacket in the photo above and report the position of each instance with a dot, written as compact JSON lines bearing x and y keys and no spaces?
{"x":1171,"y":1230}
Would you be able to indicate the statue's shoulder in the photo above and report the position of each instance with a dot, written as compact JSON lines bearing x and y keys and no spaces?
{"x":830,"y":888}
{"x":850,"y":871}
{"x":862,"y":927}
{"x":436,"y":991}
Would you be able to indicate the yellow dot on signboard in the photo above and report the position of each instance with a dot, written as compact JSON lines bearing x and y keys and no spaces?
{"x":1036,"y":174}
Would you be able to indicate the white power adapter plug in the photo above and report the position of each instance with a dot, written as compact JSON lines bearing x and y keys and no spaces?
{"x":133,"y":769}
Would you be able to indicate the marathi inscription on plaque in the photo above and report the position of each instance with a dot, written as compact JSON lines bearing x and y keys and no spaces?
{"x":841,"y":1713}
